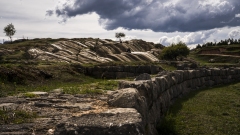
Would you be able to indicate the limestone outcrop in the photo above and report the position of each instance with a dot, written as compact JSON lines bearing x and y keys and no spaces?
{"x":94,"y":51}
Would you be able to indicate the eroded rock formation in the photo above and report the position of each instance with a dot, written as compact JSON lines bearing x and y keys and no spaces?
{"x":94,"y":51}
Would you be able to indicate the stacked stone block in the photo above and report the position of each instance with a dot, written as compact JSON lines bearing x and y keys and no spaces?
{"x":154,"y":97}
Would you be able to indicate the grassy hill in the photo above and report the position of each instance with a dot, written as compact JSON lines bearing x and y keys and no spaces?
{"x":47,"y":64}
{"x":224,"y":55}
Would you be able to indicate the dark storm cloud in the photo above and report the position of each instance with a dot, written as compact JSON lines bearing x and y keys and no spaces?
{"x":49,"y":12}
{"x":157,"y":15}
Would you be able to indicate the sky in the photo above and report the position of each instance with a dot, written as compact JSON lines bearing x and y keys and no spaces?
{"x":159,"y":21}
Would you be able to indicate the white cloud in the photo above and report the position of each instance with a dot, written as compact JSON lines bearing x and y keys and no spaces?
{"x":237,"y":15}
{"x":234,"y":33}
{"x":189,"y":39}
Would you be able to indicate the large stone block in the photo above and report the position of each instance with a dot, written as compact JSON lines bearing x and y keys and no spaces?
{"x":186,"y":75}
{"x":179,"y":75}
{"x":118,"y":121}
{"x":156,"y":89}
{"x":124,"y":98}
{"x":161,"y":83}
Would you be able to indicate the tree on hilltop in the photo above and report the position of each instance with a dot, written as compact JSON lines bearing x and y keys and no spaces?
{"x":9,"y":30}
{"x":119,"y":35}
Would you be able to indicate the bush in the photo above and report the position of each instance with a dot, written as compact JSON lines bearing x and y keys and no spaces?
{"x":175,"y":50}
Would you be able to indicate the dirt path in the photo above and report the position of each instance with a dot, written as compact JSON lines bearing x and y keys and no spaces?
{"x":221,"y":55}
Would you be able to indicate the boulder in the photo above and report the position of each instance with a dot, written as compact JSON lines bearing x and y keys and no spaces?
{"x":125,"y":98}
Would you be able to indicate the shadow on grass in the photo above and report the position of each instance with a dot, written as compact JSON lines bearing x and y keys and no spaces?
{"x":167,"y":124}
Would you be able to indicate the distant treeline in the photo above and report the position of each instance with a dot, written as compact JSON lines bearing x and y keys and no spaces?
{"x":229,"y":41}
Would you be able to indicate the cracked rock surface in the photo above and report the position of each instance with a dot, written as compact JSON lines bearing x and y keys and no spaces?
{"x":62,"y":114}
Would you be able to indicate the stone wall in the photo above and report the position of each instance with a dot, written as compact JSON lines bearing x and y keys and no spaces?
{"x":116,"y":72}
{"x":153,"y":97}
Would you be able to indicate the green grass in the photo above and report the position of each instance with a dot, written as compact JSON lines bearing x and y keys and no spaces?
{"x":96,"y":87}
{"x":219,"y":60}
{"x":213,"y":111}
{"x":29,"y":95}
{"x":16,"y":116}
{"x":69,"y":84}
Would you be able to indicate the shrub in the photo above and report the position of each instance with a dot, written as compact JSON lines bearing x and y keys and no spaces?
{"x":175,"y":50}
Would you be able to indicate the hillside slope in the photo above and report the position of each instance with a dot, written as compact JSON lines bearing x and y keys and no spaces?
{"x":217,"y":55}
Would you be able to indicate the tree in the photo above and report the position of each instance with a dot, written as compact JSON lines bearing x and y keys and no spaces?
{"x":119,"y":35}
{"x":175,"y":50}
{"x":198,"y":46}
{"x":9,"y":30}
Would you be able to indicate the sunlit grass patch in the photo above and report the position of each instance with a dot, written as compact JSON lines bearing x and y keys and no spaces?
{"x":29,"y":95}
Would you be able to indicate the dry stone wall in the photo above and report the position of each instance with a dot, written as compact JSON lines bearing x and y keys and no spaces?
{"x":116,"y":72}
{"x":153,"y":97}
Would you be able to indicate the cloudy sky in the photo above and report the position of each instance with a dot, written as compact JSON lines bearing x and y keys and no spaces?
{"x":164,"y":21}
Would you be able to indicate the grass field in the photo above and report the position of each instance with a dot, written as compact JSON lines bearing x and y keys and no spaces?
{"x":219,"y":60}
{"x":212,"y":111}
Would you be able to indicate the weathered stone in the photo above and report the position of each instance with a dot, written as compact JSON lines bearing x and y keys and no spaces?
{"x":144,"y":76}
{"x":39,"y":93}
{"x":162,"y":73}
{"x":12,"y":99}
{"x":58,"y":91}
{"x":119,"y":121}
{"x":8,"y":106}
{"x":43,"y":104}
{"x":125,"y":98}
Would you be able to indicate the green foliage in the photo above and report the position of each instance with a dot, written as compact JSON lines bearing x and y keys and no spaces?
{"x":9,"y":30}
{"x":198,"y":46}
{"x":209,"y":111}
{"x":119,"y":35}
{"x":175,"y":50}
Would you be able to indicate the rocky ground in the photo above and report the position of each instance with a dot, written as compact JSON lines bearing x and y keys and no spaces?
{"x":57,"y":112}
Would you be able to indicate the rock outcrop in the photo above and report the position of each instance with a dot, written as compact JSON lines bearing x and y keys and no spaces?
{"x":95,"y":51}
